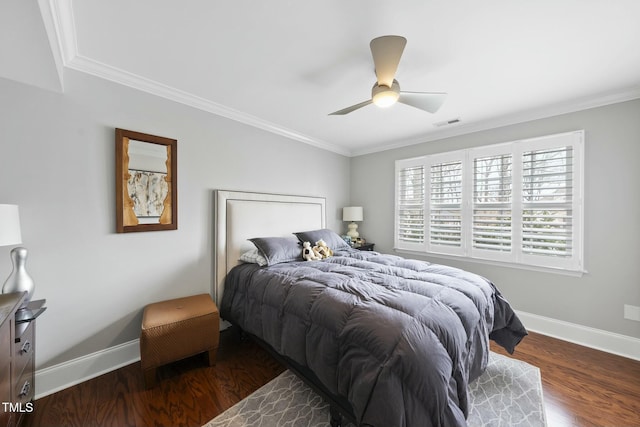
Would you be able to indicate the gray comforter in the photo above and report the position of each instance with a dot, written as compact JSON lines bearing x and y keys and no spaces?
{"x":399,"y":339}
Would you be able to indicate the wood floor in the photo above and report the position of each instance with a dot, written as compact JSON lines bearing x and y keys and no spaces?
{"x":582,"y":387}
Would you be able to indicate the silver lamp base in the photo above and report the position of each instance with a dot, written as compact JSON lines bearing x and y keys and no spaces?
{"x":19,"y":280}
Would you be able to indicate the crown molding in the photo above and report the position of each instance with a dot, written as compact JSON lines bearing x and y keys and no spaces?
{"x":580,"y":104}
{"x":60,"y":26}
{"x":57,"y":17}
{"x":125,"y":78}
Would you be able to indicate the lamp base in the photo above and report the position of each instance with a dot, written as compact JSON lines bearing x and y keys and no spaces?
{"x":19,"y":280}
{"x":353,"y":231}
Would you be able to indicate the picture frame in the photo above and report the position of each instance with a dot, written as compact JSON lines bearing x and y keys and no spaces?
{"x":146,"y":182}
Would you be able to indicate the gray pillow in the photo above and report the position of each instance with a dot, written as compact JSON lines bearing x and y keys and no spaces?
{"x":330,"y":237}
{"x":278,"y":249}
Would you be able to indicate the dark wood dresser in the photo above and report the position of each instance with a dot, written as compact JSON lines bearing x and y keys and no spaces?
{"x":17,"y":357}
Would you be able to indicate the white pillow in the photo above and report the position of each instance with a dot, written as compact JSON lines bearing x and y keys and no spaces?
{"x":253,"y":256}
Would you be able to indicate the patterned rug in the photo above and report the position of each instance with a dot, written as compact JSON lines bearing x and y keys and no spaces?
{"x":509,"y":393}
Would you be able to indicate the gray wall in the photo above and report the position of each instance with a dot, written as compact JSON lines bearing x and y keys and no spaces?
{"x":57,"y":164}
{"x":612,"y":212}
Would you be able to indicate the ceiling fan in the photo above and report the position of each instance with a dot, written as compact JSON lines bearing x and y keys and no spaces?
{"x":386,"y":51}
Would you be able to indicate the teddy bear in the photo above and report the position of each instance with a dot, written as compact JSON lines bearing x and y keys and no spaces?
{"x":322,"y":249}
{"x":308,"y":254}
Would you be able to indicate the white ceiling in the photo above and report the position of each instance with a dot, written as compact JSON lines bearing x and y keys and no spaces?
{"x":283,"y":65}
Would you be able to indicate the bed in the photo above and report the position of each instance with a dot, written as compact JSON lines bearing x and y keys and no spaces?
{"x":387,"y":341}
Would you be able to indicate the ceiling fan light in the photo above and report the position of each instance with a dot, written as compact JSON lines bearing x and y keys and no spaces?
{"x":385,"y":99}
{"x":385,"y":96}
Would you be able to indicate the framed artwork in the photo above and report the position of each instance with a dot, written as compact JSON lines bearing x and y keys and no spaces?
{"x":146,"y":182}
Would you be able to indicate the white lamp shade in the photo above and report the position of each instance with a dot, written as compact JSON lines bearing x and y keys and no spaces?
{"x":352,"y":213}
{"x":9,"y":225}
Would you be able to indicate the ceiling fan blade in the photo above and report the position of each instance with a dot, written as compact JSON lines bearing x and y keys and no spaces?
{"x":427,"y":101}
{"x":350,"y":109}
{"x":386,"y":51}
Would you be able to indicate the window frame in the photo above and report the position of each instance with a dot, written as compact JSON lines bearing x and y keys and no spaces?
{"x":444,"y":158}
{"x":406,"y":245}
{"x":484,"y":152}
{"x":517,"y":256}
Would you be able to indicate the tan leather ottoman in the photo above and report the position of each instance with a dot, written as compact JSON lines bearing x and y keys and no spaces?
{"x":176,"y":329}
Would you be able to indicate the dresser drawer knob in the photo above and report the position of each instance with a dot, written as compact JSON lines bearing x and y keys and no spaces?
{"x":26,"y":347}
{"x":26,"y":388}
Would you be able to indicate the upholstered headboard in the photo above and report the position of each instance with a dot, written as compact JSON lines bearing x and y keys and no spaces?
{"x":242,"y":215}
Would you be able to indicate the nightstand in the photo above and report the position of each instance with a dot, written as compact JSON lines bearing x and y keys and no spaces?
{"x":17,"y":359}
{"x":365,"y":247}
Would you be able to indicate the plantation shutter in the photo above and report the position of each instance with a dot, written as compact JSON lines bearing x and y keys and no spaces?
{"x":492,"y":203}
{"x":547,"y":202}
{"x":518,"y":203}
{"x":445,"y":205}
{"x":410,"y":193}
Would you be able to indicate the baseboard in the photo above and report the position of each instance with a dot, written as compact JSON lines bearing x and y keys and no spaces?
{"x":58,"y":377}
{"x":598,"y":339}
{"x":66,"y":374}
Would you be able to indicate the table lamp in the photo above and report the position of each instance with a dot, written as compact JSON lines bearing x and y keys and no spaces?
{"x":352,"y":214}
{"x":19,"y":280}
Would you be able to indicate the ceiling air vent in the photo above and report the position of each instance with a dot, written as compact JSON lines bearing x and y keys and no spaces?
{"x":447,"y":122}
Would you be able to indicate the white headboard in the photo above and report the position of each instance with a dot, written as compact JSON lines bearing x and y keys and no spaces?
{"x":241,"y":215}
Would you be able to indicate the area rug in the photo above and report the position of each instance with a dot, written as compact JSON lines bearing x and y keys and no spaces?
{"x":509,"y":393}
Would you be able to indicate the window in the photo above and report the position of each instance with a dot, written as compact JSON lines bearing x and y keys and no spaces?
{"x":492,"y":203}
{"x":410,"y":205}
{"x":445,"y":204}
{"x":517,"y":203}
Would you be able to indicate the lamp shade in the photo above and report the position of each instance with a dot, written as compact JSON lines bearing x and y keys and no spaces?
{"x":9,"y":225}
{"x":352,"y":213}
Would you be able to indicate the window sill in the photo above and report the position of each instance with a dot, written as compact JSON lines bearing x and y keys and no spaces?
{"x":560,"y":271}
